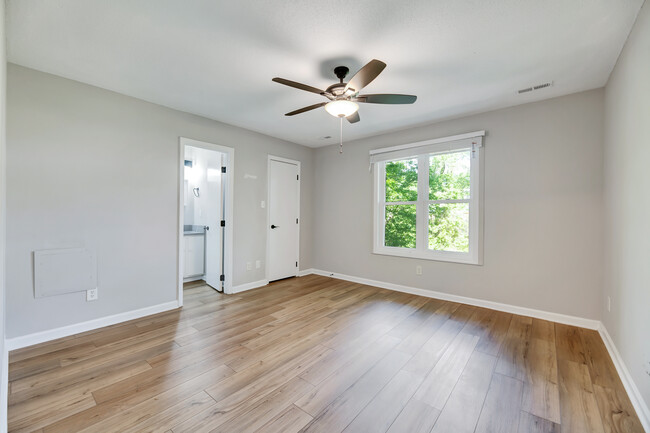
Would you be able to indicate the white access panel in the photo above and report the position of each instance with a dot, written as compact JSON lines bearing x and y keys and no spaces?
{"x":64,"y":271}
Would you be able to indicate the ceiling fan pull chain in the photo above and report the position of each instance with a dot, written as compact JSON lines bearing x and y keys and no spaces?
{"x":341,"y":136}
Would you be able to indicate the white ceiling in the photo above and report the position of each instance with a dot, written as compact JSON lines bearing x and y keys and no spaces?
{"x":217,"y":58}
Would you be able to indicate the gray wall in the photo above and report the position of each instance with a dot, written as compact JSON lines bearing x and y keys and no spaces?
{"x":98,"y":169}
{"x":543,"y":207}
{"x":627,"y":186}
{"x":3,"y":219}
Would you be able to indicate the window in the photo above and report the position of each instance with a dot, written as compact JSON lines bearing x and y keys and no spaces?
{"x":427,"y":199}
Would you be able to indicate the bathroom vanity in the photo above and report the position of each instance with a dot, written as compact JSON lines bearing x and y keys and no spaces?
{"x":194,"y":238}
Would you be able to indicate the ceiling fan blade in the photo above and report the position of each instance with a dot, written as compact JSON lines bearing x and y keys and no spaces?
{"x":365,"y":75}
{"x":298,"y":85}
{"x":302,"y":110}
{"x":386,"y":99}
{"x":353,"y":118}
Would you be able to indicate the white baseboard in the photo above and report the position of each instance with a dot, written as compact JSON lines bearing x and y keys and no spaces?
{"x":306,"y":272}
{"x":248,"y":286}
{"x":523,"y":311}
{"x":633,"y":392}
{"x":4,"y":388}
{"x":261,"y":283}
{"x":65,"y":331}
{"x":191,"y":279}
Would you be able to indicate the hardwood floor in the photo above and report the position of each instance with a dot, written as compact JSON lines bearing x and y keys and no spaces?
{"x":315,"y":354}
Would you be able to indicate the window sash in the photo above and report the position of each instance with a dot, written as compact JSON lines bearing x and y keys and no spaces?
{"x":473,"y":256}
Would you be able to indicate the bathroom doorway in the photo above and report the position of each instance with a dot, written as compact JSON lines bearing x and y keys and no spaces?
{"x":205,"y":215}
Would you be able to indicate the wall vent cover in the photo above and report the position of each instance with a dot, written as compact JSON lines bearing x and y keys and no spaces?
{"x":536,"y":87}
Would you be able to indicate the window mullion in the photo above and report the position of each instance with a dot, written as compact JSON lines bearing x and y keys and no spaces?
{"x":423,"y":197}
{"x":465,"y":200}
{"x":381,"y":209}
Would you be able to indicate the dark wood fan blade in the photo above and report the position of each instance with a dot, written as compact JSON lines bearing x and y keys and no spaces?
{"x":365,"y":75}
{"x":386,"y":99}
{"x":353,"y":118}
{"x":302,"y":110}
{"x":298,"y":85}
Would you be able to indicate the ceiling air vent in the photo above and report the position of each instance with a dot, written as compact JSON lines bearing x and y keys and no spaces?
{"x":536,"y":87}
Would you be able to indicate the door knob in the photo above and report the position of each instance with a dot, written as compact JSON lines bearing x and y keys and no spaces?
{"x":273,"y":226}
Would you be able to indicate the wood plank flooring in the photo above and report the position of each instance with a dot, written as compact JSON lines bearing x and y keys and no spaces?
{"x":316,"y":354}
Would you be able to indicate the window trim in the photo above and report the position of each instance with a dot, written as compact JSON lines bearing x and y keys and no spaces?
{"x":475,"y":254}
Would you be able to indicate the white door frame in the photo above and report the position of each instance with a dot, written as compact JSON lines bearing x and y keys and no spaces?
{"x":268,"y":211}
{"x":228,"y":200}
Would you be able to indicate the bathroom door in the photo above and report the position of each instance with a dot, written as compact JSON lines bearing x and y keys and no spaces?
{"x":213,"y":216}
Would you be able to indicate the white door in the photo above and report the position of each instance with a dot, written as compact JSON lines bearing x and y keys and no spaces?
{"x":284,"y":207}
{"x":214,"y":215}
{"x":204,"y":208}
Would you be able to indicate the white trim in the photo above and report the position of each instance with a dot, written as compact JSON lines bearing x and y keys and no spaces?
{"x":77,"y":328}
{"x":229,"y":179}
{"x":475,"y":254}
{"x":523,"y":311}
{"x":262,"y":283}
{"x":305,"y":272}
{"x":192,"y":279}
{"x":428,"y":142}
{"x":641,"y":407}
{"x":180,"y":246}
{"x":268,"y":211}
{"x":4,"y":388}
{"x":249,"y":286}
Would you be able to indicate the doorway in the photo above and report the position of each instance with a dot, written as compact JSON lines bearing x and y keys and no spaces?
{"x":205,"y":215}
{"x":283,"y":222}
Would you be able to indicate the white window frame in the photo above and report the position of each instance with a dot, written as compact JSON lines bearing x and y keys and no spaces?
{"x":422,"y":151}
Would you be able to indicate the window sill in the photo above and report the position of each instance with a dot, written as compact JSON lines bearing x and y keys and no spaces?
{"x":439,"y":256}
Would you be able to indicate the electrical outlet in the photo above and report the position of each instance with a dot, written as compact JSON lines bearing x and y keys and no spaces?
{"x":418,"y":270}
{"x":609,"y":304}
{"x":249,"y":266}
{"x":92,"y":294}
{"x":258,"y":264}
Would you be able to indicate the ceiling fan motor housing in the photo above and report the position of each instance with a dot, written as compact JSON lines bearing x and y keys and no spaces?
{"x":336,"y":89}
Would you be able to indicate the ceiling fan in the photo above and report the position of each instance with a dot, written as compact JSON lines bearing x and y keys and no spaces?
{"x":343,"y":97}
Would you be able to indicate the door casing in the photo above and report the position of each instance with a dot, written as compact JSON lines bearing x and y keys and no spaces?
{"x":228,"y":178}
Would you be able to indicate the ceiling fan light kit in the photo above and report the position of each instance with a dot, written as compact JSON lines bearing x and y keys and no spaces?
{"x":341,"y":107}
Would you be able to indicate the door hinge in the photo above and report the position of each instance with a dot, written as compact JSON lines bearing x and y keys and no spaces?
{"x":222,"y":277}
{"x":296,"y":220}
{"x":296,"y":264}
{"x":223,"y":169}
{"x":223,"y":223}
{"x":297,"y":177}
